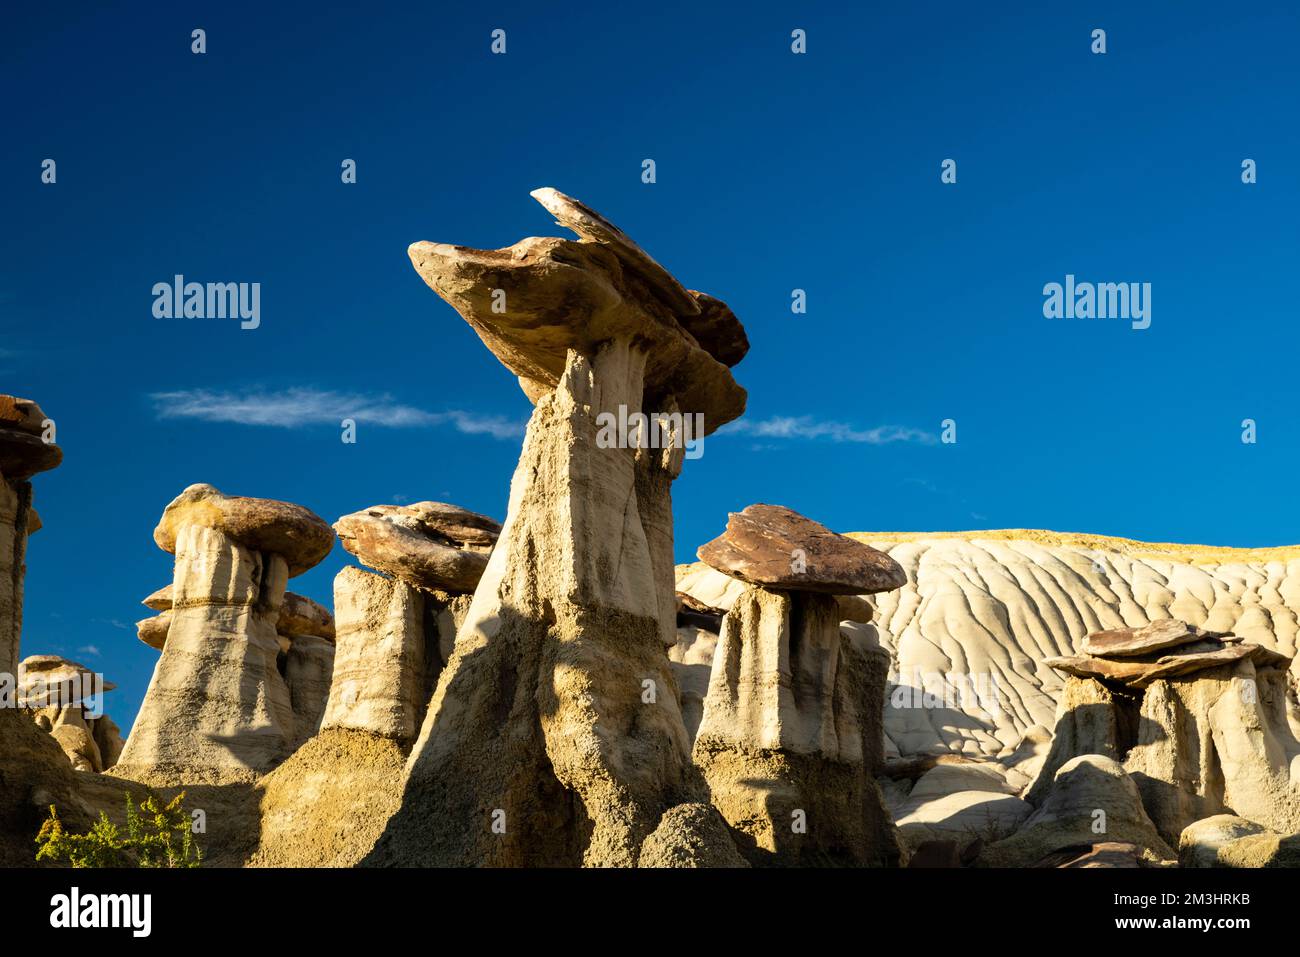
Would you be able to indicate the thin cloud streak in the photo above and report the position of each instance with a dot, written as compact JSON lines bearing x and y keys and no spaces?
{"x":297,"y":408}
{"x":806,"y":427}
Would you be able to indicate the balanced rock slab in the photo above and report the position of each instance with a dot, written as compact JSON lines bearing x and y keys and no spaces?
{"x":778,"y":548}
{"x":1124,"y":642}
{"x":429,"y":544}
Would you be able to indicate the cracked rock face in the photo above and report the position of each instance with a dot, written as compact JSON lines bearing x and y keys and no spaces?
{"x":217,"y":709}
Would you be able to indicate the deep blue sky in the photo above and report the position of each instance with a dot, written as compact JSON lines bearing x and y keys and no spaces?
{"x":775,"y":171}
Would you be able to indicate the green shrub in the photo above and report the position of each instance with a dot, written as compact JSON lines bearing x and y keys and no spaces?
{"x":156,"y":836}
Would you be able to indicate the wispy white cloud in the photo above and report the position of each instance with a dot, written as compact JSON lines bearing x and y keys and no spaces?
{"x":810,"y":428}
{"x":295,"y":408}
{"x":88,"y":650}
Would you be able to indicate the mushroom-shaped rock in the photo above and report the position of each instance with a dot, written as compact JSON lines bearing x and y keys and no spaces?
{"x":429,"y":545}
{"x":52,"y":681}
{"x":563,"y":295}
{"x":1139,"y":672}
{"x":297,"y":534}
{"x":23,"y":449}
{"x":778,"y":548}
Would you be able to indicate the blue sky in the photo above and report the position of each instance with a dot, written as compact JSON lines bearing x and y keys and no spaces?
{"x":775,"y":171}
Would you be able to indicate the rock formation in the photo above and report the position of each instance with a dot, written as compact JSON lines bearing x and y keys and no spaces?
{"x":1199,"y":720}
{"x":1092,"y":800}
{"x":217,"y":709}
{"x":66,"y":699}
{"x":327,"y":804}
{"x":305,"y":633}
{"x":23,"y":453}
{"x":790,"y":739}
{"x":555,"y":736}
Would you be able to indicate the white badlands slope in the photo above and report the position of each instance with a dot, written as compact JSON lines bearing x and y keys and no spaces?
{"x":982,"y":609}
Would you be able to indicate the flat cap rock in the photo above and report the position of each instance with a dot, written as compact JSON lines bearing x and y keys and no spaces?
{"x":23,"y":452}
{"x":41,"y":675}
{"x":1186,"y":660}
{"x":429,"y":544}
{"x":34,"y":523}
{"x":562,"y":294}
{"x":778,"y":548}
{"x":295,"y":533}
{"x":1126,"y":642}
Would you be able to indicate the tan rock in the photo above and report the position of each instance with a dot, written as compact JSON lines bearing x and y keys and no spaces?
{"x":398,"y":540}
{"x":34,"y":523}
{"x":1137,"y":673}
{"x":563,"y":295}
{"x":160,"y":600}
{"x":691,"y":659}
{"x":777,"y":547}
{"x":217,"y":710}
{"x":299,"y":615}
{"x":1214,"y":742}
{"x":1201,"y":842}
{"x":557,"y":721}
{"x":379,"y":680}
{"x":296,"y":534}
{"x":790,"y":737}
{"x":52,"y":681}
{"x":108,"y":739}
{"x":79,"y":745}
{"x":153,"y":631}
{"x":691,"y":835}
{"x":308,"y":671}
{"x":1090,"y":719}
{"x":15,"y":503}
{"x":23,"y":450}
{"x":1091,"y":799}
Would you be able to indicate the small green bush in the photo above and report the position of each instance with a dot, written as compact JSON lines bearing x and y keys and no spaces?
{"x":156,"y":836}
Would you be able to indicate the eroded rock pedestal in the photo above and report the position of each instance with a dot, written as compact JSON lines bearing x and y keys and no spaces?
{"x":790,"y":740}
{"x":217,"y":709}
{"x":66,"y":699}
{"x":328,"y":803}
{"x":554,"y":736}
{"x":1198,"y":720}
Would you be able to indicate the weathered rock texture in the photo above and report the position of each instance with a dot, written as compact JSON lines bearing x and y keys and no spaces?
{"x":555,"y":735}
{"x":66,"y":699}
{"x":429,"y":544}
{"x":790,"y":738}
{"x":23,"y":453}
{"x":379,"y":679}
{"x":691,"y":835}
{"x":217,"y":709}
{"x":1092,"y":800}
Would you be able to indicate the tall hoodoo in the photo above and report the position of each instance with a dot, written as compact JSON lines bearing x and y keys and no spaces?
{"x":218,"y":709}
{"x":554,"y":736}
{"x":24,"y":452}
{"x":791,"y":736}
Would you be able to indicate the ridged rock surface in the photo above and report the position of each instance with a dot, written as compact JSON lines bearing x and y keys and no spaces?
{"x":981,"y":610}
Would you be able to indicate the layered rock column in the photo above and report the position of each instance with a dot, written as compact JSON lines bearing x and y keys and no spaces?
{"x":305,"y":631}
{"x":217,"y":709}
{"x":791,"y":737}
{"x":554,"y":736}
{"x":24,"y":452}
